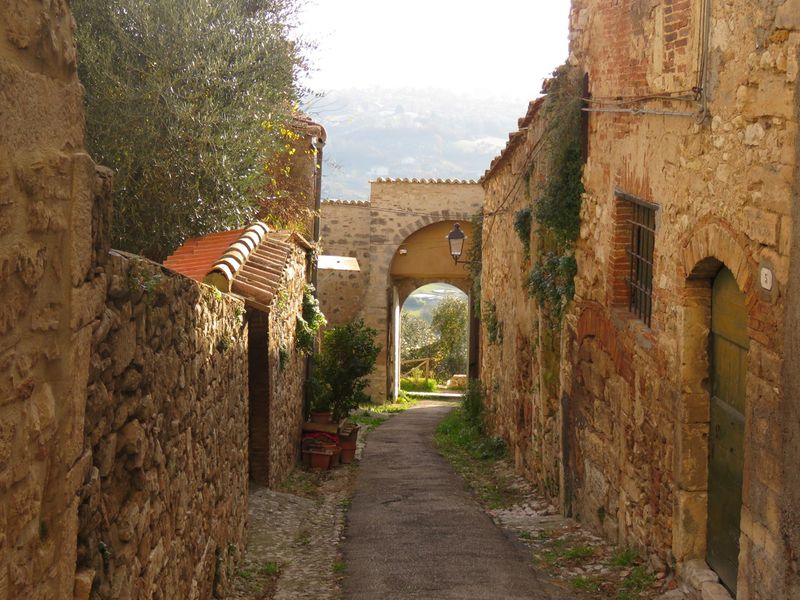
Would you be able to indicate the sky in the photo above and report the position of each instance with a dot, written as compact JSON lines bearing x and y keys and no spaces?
{"x":423,"y":88}
{"x":501,"y":48}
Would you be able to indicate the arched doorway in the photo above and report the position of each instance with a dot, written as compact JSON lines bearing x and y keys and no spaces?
{"x":712,"y":434}
{"x":434,"y":335}
{"x":424,"y":258}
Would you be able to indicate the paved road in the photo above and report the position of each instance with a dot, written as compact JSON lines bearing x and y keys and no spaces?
{"x":414,"y":530}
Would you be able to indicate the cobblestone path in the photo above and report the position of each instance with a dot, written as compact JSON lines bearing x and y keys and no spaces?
{"x":415,"y":531}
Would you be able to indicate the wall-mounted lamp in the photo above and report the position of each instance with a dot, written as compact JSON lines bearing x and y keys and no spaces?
{"x":403,"y":251}
{"x":456,"y":239}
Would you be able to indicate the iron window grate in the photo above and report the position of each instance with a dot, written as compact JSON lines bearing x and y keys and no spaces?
{"x":640,"y":278}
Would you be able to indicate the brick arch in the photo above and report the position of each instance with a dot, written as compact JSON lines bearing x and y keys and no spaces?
{"x":712,"y":245}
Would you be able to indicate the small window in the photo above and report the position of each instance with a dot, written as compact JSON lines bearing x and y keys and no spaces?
{"x":639,"y":223}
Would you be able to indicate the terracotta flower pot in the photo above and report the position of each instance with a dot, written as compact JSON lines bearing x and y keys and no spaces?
{"x":320,"y":459}
{"x":321,"y":416}
{"x":348,"y":455}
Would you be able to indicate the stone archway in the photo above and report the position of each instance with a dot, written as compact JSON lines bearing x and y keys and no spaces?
{"x":423,"y":257}
{"x":374,"y":233}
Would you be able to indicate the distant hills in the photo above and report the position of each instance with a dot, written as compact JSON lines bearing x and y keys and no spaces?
{"x":408,"y":133}
{"x":424,"y":301}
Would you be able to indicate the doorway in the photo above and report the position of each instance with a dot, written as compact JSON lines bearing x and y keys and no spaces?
{"x":728,"y":352}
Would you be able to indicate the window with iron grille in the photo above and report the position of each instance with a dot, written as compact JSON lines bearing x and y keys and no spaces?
{"x":639,"y":223}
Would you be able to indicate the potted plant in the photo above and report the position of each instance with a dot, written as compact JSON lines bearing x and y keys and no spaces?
{"x":321,"y":408}
{"x":347,"y":356}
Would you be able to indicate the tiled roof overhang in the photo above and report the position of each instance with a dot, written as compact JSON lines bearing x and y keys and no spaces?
{"x":514,"y":139}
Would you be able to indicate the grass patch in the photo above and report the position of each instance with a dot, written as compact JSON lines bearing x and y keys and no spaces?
{"x":271,"y":569}
{"x":368,"y":422}
{"x":584,"y":584}
{"x":624,"y":557}
{"x":578,"y":553}
{"x":411,"y":384}
{"x":635,"y":584}
{"x":339,"y":568}
{"x":477,"y":457}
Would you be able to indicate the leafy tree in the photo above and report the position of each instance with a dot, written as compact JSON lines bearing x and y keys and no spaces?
{"x":415,"y":334}
{"x":450,"y":325}
{"x":182,"y":100}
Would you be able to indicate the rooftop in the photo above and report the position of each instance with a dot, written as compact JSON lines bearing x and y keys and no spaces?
{"x":248,"y":262}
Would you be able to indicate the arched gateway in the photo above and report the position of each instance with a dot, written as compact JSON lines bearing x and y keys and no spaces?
{"x":399,"y":240}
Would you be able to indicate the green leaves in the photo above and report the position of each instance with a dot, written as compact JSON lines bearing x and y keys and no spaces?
{"x":177,"y":94}
{"x":310,"y":322}
{"x":348,"y":355}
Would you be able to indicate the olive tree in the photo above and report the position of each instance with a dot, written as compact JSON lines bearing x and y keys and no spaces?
{"x":182,"y":100}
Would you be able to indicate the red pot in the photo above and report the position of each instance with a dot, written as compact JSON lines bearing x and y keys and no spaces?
{"x":348,"y":455}
{"x":321,"y":416}
{"x":320,"y":460}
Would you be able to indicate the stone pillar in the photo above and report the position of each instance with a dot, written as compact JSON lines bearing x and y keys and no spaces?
{"x":52,"y":290}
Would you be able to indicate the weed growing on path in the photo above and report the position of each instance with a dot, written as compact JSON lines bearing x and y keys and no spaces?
{"x":477,"y":458}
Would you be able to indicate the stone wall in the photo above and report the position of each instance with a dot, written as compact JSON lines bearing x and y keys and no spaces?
{"x":50,"y":286}
{"x":164,"y":505}
{"x":520,"y":360}
{"x":287,"y":367}
{"x":638,"y":411}
{"x":344,"y":227}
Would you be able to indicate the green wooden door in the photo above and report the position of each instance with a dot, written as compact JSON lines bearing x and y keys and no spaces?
{"x":729,"y":343}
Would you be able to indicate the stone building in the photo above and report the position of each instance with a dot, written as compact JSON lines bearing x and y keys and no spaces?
{"x":520,"y":350}
{"x":399,"y":240}
{"x":269,"y":270}
{"x":677,"y":395}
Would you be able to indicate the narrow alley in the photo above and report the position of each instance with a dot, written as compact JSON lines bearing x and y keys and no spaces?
{"x":415,"y":531}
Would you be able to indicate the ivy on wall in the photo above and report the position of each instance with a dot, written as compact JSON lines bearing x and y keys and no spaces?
{"x":494,"y":327}
{"x":474,"y":260}
{"x":523,"y":222}
{"x":309,"y":322}
{"x":557,"y":201}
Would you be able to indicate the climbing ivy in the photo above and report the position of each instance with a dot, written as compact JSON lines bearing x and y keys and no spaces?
{"x":558,"y":200}
{"x":552,"y":281}
{"x":523,"y":221}
{"x":494,"y":327}
{"x":309,"y":321}
{"x":474,"y":257}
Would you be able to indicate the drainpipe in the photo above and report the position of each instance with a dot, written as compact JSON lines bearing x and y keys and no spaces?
{"x":318,"y":143}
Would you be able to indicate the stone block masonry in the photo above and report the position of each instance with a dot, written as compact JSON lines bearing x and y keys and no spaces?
{"x":164,"y":503}
{"x":51,"y":285}
{"x":287,"y":371}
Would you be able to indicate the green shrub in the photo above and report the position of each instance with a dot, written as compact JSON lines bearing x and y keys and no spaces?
{"x":472,"y":403}
{"x":413,"y":384}
{"x":347,"y":356}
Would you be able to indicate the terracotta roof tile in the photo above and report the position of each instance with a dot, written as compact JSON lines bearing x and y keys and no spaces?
{"x":429,"y":181}
{"x":197,"y":255}
{"x":249,"y":262}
